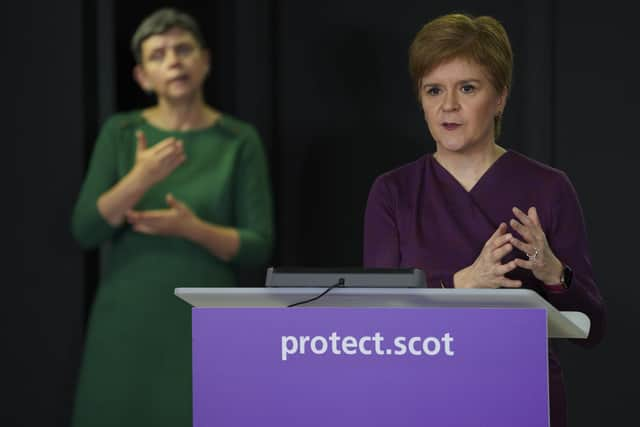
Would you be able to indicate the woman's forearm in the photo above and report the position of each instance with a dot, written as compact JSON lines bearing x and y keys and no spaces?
{"x":114,"y":204}
{"x":222,"y":242}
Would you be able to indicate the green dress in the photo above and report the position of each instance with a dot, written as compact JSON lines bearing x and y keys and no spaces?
{"x":137,"y":360}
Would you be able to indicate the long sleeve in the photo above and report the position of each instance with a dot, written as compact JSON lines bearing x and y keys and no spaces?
{"x":253,"y":205}
{"x":88,"y":226}
{"x":381,"y":247}
{"x":568,"y":240}
{"x":392,"y":226}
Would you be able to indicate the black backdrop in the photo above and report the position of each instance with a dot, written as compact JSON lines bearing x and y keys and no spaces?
{"x":326,"y":84}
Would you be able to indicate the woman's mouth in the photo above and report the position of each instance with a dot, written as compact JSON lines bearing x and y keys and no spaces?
{"x":451,"y":125}
{"x":179,"y":79}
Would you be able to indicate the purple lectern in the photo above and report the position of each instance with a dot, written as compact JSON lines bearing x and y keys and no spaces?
{"x":373,"y":357}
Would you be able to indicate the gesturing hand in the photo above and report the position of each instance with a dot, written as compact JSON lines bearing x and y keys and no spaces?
{"x":156,"y":163}
{"x":541,"y":260}
{"x":487,"y":271}
{"x":174,"y":221}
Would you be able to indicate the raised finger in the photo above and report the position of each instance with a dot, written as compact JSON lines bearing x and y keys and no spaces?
{"x":499,"y":241}
{"x":523,"y":230}
{"x":499,"y":253}
{"x":141,"y":141}
{"x":176,"y":161}
{"x":505,"y":268}
{"x":502,"y":229}
{"x":170,"y":149}
{"x":510,"y":283}
{"x":533,"y":214}
{"x":152,"y":215}
{"x":170,"y":162}
{"x":132,"y":216}
{"x":525,"y":226}
{"x":524,"y":247}
{"x":144,"y":228}
{"x":164,"y":144}
{"x":522,"y":217}
{"x":524,"y":263}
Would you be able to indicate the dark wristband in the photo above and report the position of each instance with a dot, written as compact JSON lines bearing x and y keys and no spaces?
{"x":565,"y":279}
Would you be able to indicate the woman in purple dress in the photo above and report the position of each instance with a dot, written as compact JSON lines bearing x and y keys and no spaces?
{"x":473,"y":214}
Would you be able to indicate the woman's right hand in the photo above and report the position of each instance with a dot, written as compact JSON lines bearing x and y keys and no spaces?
{"x":156,"y":163}
{"x":487,"y":271}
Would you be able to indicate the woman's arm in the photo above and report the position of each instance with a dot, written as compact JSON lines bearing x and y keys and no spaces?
{"x":88,"y":225}
{"x":568,"y":239}
{"x":250,"y":240}
{"x":253,"y":203}
{"x":381,"y":247}
{"x":223,"y":242}
{"x":151,"y":166}
{"x":180,"y":221}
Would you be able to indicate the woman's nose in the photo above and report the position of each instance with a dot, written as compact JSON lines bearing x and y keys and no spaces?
{"x":451,"y":102}
{"x":172,"y":57}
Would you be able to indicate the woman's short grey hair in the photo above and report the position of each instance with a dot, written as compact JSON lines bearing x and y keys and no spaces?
{"x":160,"y":22}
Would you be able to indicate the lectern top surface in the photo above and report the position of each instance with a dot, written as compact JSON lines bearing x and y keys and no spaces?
{"x":561,"y":324}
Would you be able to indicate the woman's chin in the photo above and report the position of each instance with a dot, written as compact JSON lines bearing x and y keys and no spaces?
{"x":453,"y":146}
{"x":177,"y":96}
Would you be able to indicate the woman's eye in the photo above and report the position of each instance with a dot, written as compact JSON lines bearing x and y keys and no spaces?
{"x":468,"y":88}
{"x":156,"y":56}
{"x":433,"y":91}
{"x":184,"y":49}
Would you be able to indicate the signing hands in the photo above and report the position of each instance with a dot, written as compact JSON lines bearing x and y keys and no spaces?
{"x":488,"y":271}
{"x":173,"y":221}
{"x":156,"y":163}
{"x":151,"y":166}
{"x":541,"y":260}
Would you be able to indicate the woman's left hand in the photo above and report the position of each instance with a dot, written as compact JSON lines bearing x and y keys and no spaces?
{"x":541,"y":260}
{"x":174,"y":221}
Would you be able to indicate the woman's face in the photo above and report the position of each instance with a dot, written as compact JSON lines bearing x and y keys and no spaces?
{"x":173,"y":65}
{"x":459,"y":105}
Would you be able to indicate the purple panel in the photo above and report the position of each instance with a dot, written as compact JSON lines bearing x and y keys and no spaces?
{"x":490,"y":370}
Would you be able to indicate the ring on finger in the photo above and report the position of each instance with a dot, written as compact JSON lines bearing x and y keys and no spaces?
{"x":532,"y":257}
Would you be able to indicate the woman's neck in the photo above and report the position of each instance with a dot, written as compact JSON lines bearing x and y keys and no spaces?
{"x":181,"y":115}
{"x":468,"y":167}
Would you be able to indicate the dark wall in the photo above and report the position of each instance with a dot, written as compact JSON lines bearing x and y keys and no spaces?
{"x":44,"y":129}
{"x":326,"y":84}
{"x":596,"y":113}
{"x":347,"y":112}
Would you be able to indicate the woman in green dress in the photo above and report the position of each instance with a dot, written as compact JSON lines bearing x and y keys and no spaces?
{"x":182,"y":192}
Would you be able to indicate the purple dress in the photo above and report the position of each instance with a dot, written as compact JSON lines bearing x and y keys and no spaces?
{"x":419,"y":216}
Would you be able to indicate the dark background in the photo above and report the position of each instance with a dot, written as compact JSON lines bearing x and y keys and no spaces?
{"x":327,"y":86}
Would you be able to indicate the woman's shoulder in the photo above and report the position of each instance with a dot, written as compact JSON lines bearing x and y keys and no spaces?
{"x":236,"y":127}
{"x":534,"y":169}
{"x":124,"y":120}
{"x":405,"y":179}
{"x":406,"y":172}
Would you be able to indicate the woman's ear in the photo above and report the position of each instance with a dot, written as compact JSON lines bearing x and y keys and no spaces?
{"x":206,"y":57}
{"x":140,"y":76}
{"x":502,"y":99}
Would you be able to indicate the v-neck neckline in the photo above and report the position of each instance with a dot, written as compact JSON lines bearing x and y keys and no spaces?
{"x":484,"y":177}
